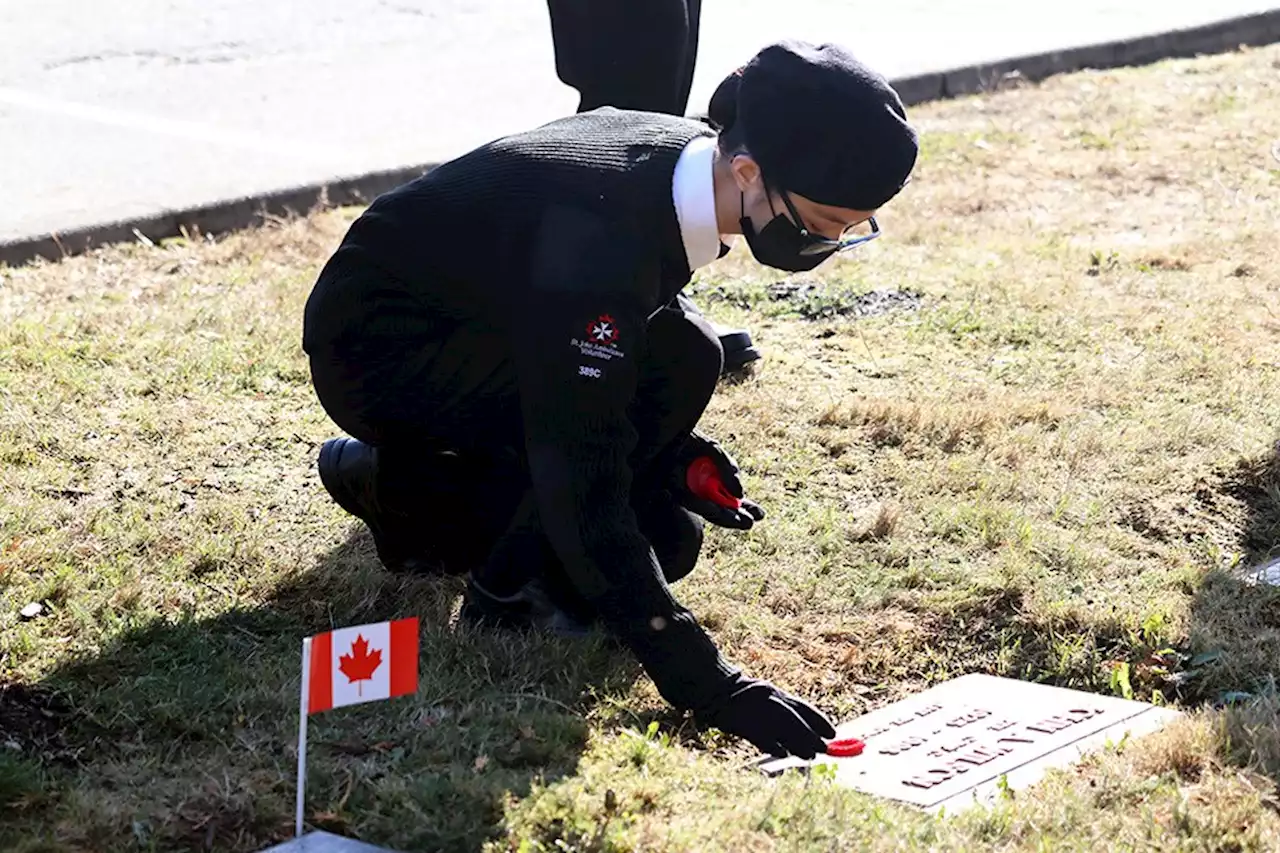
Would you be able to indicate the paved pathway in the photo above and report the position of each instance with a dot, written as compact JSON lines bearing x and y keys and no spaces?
{"x":119,"y":110}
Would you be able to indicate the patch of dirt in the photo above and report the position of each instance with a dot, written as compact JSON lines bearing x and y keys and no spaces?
{"x":212,"y":824}
{"x":1183,"y":518}
{"x":1143,"y":520}
{"x":813,"y":301}
{"x":1256,"y":484}
{"x":34,"y":722}
{"x":1237,"y":509}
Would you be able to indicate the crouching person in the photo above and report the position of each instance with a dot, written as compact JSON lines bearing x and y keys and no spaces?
{"x":505,"y":343}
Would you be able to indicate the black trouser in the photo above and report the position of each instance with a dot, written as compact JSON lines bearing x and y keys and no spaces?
{"x":629,"y":54}
{"x":456,"y":461}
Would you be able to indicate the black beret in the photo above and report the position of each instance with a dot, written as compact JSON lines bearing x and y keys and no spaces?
{"x":823,"y":125}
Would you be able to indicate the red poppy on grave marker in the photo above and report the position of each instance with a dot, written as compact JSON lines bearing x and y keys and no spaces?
{"x":845,"y":747}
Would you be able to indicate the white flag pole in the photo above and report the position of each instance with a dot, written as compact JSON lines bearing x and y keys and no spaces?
{"x":302,"y":734}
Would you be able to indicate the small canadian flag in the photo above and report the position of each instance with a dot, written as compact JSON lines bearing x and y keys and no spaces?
{"x":348,"y":666}
{"x":363,"y":663}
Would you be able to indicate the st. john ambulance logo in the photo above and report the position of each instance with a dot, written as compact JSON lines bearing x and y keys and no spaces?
{"x":602,"y":330}
{"x":601,"y":340}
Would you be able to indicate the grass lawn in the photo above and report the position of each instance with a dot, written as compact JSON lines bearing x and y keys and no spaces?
{"x":1055,"y":464}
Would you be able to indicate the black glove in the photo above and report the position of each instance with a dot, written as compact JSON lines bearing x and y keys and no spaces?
{"x":695,"y":447}
{"x":772,"y":719}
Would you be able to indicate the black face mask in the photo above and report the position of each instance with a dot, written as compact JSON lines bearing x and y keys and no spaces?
{"x":780,"y":244}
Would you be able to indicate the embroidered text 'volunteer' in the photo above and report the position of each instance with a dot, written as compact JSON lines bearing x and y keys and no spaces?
{"x":363,"y":663}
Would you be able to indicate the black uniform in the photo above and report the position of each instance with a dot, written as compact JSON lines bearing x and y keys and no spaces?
{"x":511,"y":314}
{"x":630,"y":54}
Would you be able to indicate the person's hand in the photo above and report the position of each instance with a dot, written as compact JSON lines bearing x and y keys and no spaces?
{"x":740,"y":517}
{"x":773,"y":720}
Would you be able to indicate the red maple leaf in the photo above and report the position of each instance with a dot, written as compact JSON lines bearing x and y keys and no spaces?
{"x":360,"y":665}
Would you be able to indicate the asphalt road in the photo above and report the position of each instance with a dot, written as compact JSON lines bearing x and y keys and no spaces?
{"x":117,"y":110}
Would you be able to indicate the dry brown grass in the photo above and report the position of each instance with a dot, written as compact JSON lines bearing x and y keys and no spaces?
{"x":1056,"y":469}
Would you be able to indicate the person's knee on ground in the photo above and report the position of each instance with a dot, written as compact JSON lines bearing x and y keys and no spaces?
{"x":523,"y":584}
{"x":674,"y":533}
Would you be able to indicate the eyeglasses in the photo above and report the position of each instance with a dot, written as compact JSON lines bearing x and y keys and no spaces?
{"x":816,"y":244}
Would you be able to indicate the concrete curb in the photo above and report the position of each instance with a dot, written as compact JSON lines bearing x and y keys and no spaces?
{"x":229,"y":215}
{"x":217,"y":217}
{"x":1218,"y":37}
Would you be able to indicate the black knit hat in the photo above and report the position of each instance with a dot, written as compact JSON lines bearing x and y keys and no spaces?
{"x":823,"y":125}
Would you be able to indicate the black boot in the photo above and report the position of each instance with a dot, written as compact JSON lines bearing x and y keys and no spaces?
{"x":348,"y":470}
{"x":529,"y":609}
